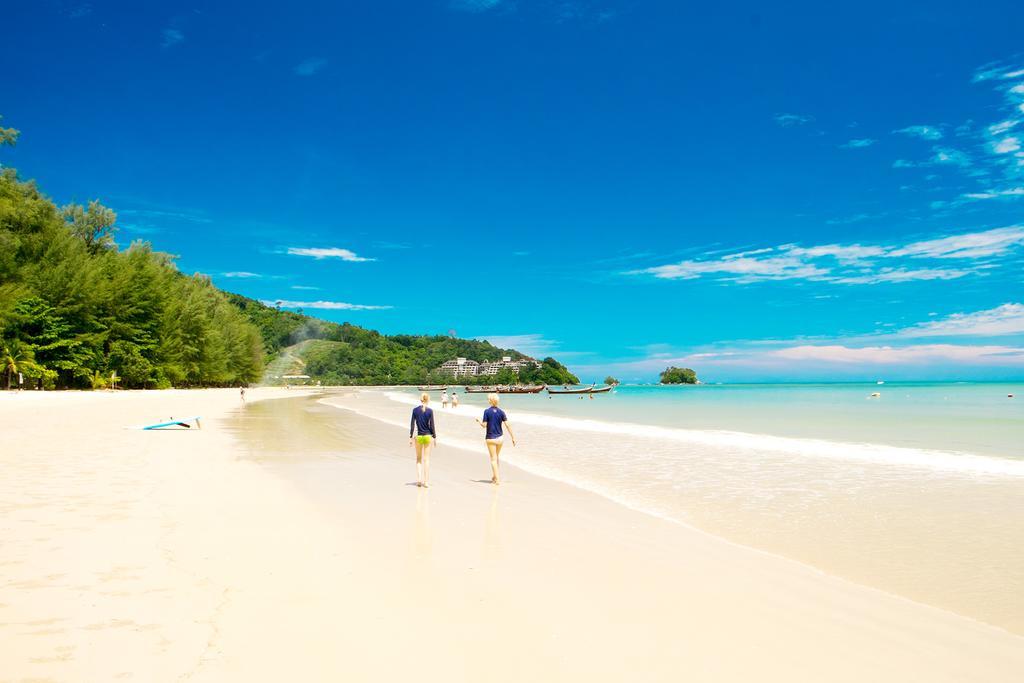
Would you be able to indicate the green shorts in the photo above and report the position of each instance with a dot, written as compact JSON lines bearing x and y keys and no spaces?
{"x":423,"y":439}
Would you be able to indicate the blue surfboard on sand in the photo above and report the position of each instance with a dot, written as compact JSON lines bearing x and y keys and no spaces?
{"x":175,"y":423}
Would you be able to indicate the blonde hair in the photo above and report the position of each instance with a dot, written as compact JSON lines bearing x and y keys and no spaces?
{"x":492,"y":399}
{"x":424,"y":397}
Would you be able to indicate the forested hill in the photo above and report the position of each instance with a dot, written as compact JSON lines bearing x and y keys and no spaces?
{"x":77,"y":311}
{"x":349,"y":354}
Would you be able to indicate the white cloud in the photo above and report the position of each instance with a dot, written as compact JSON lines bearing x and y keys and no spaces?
{"x":305,"y":288}
{"x":924,"y":132}
{"x":326,"y":305}
{"x":902,"y":275}
{"x":1002,"y":126}
{"x":790,"y":120}
{"x":892,"y":355}
{"x":331,"y":252}
{"x":1006,"y":145}
{"x":999,"y":321}
{"x":858,"y":143}
{"x":903,"y":163}
{"x":947,"y":155}
{"x":310,"y":66}
{"x":241,"y":274}
{"x":171,"y":37}
{"x":744,"y":269}
{"x":843,"y":252}
{"x":848,"y":264}
{"x":995,"y":194}
{"x":995,"y":242}
{"x":997,"y":71}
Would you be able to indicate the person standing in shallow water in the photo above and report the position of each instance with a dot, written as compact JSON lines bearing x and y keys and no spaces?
{"x":494,"y":419}
{"x":422,"y":424}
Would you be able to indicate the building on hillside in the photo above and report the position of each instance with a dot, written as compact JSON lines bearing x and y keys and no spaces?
{"x":489,"y":368}
{"x":459,"y":367}
{"x":462,"y":367}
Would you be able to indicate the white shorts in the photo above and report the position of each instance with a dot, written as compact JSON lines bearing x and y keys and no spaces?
{"x":498,"y":440}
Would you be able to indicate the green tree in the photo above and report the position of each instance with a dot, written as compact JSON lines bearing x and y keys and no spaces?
{"x":93,"y":225}
{"x":674,"y":375}
{"x":610,"y":380}
{"x":8,"y":136}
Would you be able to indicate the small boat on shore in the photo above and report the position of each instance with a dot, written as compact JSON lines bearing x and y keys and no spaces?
{"x":580,"y":390}
{"x":433,"y":387}
{"x":515,"y":389}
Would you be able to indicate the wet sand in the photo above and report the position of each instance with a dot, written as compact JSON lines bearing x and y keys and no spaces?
{"x":286,"y":543}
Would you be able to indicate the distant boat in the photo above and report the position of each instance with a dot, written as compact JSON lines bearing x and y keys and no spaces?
{"x":516,"y":389}
{"x":880,"y":382}
{"x":581,"y":390}
{"x":433,"y":387}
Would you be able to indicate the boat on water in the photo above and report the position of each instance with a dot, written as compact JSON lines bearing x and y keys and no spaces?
{"x":580,"y":390}
{"x":514,"y":389}
{"x":433,"y":387}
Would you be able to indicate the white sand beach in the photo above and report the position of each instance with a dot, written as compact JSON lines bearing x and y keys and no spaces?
{"x":245,"y":552}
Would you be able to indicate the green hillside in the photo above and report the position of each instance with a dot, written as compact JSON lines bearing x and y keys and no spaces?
{"x":349,"y":354}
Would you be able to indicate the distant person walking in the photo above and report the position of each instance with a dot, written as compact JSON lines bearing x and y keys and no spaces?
{"x":494,"y":419}
{"x":241,"y":390}
{"x":444,"y":399}
{"x":425,"y":435}
{"x":455,"y":400}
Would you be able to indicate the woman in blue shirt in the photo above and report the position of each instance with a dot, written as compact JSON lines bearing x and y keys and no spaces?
{"x":423,"y":424}
{"x":494,"y":420}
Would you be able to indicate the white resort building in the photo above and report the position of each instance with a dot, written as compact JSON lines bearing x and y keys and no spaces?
{"x":461,"y":367}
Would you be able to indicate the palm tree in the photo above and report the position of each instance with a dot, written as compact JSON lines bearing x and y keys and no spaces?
{"x":14,"y":357}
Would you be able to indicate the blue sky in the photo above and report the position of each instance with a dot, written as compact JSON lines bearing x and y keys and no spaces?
{"x":759,"y":192}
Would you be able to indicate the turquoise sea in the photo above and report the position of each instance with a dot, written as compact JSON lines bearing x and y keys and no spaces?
{"x":918,"y":491}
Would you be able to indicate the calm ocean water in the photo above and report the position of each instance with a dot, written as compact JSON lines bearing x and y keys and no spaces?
{"x":965,"y":417}
{"x":918,"y":492}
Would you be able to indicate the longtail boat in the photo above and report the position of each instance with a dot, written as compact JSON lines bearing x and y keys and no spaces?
{"x":431,"y":387}
{"x":518,"y":389}
{"x":573,"y":390}
{"x":581,"y":390}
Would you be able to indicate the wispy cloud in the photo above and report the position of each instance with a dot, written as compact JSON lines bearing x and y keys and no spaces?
{"x":1007,"y":319}
{"x":1006,"y":145}
{"x":324,"y":305}
{"x":305,"y":288}
{"x":858,"y":143}
{"x":171,"y":37}
{"x":972,"y":245}
{"x":310,"y":66}
{"x":850,"y":264}
{"x":790,"y":120}
{"x":242,"y":274}
{"x":995,"y":194}
{"x":900,"y":355}
{"x":330,"y":252}
{"x":923,"y":132}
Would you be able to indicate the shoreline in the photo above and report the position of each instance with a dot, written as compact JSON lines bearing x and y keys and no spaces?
{"x":654,"y":514}
{"x":283,"y":542}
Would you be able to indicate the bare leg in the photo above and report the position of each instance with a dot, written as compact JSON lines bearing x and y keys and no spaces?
{"x":419,"y":464}
{"x":426,"y":464}
{"x":493,"y":450}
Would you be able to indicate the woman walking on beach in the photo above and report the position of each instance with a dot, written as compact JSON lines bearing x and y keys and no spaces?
{"x":425,"y":435}
{"x":494,"y":420}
